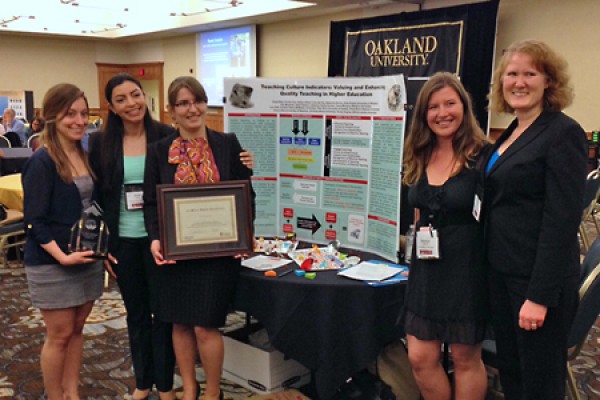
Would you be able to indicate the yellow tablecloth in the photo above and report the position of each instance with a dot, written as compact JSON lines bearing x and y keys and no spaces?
{"x":11,"y":191}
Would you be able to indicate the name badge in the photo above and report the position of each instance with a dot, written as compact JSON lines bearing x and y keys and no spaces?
{"x":134,"y":197}
{"x":477,"y":207}
{"x":428,"y":243}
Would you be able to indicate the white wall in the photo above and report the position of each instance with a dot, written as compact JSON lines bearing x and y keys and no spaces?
{"x":570,"y":28}
{"x":33,"y":63}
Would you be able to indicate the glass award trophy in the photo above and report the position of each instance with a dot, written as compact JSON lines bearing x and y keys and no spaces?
{"x":90,"y":233}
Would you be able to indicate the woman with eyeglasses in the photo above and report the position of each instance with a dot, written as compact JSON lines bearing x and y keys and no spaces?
{"x":117,"y":156}
{"x":195,"y":294}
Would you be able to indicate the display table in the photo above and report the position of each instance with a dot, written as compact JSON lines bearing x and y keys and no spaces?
{"x":11,"y":191}
{"x":334,"y":326}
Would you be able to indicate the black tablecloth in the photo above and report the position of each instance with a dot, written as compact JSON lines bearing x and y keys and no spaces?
{"x":12,"y":165}
{"x":13,"y":160}
{"x":332,"y":325}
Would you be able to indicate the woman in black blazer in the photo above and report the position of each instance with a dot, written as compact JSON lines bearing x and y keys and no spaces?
{"x":195,"y":294}
{"x":533,"y":192}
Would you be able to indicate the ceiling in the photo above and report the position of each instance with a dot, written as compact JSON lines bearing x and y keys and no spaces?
{"x":127,"y":19}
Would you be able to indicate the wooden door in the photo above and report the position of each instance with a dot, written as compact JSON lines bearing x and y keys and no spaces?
{"x":105,"y":72}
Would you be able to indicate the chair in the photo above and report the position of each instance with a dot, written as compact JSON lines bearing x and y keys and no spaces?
{"x":590,"y":200}
{"x":591,"y":259}
{"x":12,"y":236}
{"x":13,"y":138}
{"x":585,"y":317}
{"x":34,"y":141}
{"x":4,"y":142}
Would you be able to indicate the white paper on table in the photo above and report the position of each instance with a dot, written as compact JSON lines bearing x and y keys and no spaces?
{"x":264,"y":263}
{"x":366,"y":271}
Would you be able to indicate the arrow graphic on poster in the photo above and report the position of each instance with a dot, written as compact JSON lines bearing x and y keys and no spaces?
{"x":311,"y":224}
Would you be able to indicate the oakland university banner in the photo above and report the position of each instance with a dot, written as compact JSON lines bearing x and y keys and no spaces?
{"x":415,"y":51}
{"x":418,"y":44}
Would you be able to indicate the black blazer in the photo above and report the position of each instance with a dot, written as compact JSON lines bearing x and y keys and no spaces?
{"x":226,"y":149}
{"x":109,"y":195}
{"x":51,"y":207}
{"x":532,"y":208}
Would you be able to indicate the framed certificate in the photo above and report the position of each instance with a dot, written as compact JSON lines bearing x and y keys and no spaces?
{"x":208,"y":220}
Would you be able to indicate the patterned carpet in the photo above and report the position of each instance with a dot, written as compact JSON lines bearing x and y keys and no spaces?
{"x":107,"y":373}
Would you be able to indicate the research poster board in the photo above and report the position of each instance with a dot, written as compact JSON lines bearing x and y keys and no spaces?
{"x":328,"y":156}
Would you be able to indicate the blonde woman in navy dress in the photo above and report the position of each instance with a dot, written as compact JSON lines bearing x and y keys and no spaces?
{"x":195,"y":294}
{"x":57,"y":186}
{"x":446,"y":298}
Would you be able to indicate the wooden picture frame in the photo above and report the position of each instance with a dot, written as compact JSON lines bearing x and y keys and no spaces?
{"x":207,"y":220}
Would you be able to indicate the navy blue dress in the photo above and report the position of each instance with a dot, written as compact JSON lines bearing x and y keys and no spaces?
{"x":446,"y":299}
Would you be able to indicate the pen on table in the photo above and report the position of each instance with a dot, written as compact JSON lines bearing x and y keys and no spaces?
{"x":285,"y":273}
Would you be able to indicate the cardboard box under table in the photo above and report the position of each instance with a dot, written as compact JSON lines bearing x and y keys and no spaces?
{"x":259,"y":370}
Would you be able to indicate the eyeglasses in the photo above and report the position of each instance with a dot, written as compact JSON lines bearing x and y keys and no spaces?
{"x":187,"y":103}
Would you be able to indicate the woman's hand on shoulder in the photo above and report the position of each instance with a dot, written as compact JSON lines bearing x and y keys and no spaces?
{"x":247,"y":158}
{"x":157,"y":254}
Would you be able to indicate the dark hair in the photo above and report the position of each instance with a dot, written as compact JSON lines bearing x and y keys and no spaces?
{"x":40,"y":120}
{"x":188,"y":82}
{"x":55,"y":106}
{"x":113,"y":130}
{"x":468,"y":139}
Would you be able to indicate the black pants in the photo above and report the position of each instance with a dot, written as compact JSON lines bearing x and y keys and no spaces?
{"x":532,"y":364}
{"x":150,"y":339}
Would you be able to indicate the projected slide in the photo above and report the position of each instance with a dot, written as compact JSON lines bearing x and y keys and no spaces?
{"x":227,"y":53}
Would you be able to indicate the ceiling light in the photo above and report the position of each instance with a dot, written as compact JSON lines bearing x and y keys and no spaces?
{"x":226,"y":5}
{"x":6,"y":21}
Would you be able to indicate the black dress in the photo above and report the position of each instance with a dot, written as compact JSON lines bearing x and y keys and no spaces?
{"x":194,"y":292}
{"x":446,"y":299}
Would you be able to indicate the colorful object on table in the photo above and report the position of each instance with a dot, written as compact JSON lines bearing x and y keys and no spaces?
{"x":307,"y":264}
{"x":299,"y":272}
{"x":310,"y":275}
{"x":321,"y":260}
{"x":270,"y":273}
{"x":275,"y":245}
{"x":316,"y":249}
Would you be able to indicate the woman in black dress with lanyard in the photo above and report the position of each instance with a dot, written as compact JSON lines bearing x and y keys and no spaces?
{"x":446,"y":298}
{"x":195,"y":294}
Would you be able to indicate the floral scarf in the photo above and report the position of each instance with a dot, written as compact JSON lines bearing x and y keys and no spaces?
{"x":195,"y":161}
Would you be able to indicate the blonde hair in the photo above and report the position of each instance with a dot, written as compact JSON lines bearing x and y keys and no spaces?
{"x":559,"y":93}
{"x":468,"y":139}
{"x":55,"y":106}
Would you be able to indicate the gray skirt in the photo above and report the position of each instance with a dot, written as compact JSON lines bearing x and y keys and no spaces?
{"x":54,"y":286}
